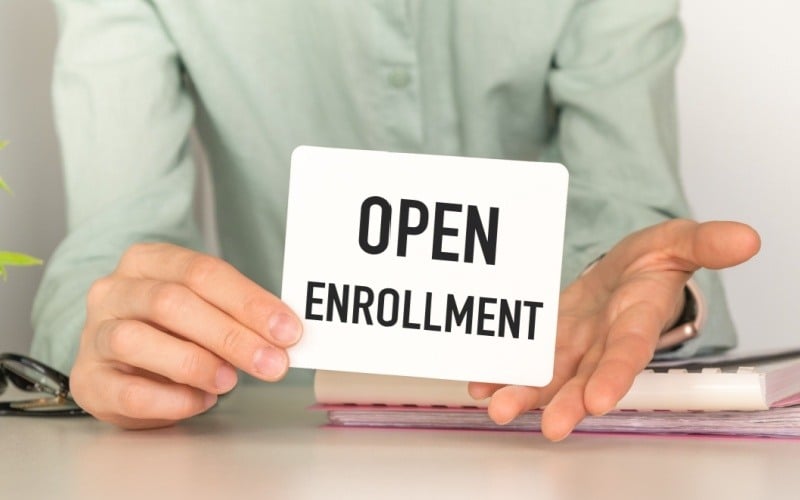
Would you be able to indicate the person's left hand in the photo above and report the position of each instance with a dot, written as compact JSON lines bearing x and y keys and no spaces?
{"x":610,"y":319}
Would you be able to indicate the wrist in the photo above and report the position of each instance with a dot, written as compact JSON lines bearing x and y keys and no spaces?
{"x":689,"y":322}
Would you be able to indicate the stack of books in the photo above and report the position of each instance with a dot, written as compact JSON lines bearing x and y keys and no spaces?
{"x":736,"y":395}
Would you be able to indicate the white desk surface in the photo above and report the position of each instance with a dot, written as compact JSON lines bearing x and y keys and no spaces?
{"x":261,"y":442}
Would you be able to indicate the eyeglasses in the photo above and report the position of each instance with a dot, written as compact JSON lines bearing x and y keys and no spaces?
{"x":30,"y":375}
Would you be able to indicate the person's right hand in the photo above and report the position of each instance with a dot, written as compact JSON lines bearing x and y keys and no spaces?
{"x":166,"y":330}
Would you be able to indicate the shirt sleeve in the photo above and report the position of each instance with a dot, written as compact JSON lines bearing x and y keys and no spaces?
{"x":123,"y":116}
{"x":612,"y":85}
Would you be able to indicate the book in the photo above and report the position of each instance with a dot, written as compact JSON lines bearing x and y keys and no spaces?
{"x":715,"y":395}
{"x":775,"y":423}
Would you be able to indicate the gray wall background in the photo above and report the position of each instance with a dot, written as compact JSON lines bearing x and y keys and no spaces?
{"x":740,"y":130}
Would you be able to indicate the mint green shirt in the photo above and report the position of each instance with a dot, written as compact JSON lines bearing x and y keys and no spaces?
{"x":587,"y":83}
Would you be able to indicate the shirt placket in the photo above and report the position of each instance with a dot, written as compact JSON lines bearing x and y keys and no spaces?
{"x":398,"y":83}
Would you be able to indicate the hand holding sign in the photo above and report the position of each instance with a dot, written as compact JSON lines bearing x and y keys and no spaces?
{"x":164,"y":332}
{"x":611,"y":317}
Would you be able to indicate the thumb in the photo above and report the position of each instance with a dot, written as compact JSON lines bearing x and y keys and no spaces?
{"x":716,"y":244}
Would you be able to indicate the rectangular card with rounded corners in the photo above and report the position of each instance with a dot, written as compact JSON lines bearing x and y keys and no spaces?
{"x":423,"y":265}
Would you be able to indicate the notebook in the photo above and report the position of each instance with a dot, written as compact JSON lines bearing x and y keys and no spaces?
{"x":755,"y":394}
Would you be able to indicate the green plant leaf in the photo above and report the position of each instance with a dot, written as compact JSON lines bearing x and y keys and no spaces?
{"x":13,"y":258}
{"x":4,"y":186}
{"x":16,"y":259}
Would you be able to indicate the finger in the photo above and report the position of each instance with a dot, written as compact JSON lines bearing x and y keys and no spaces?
{"x":218,"y":283}
{"x":567,"y":356}
{"x":177,"y":309}
{"x":140,"y":398}
{"x":679,"y":245}
{"x":112,"y":395}
{"x":134,"y":424}
{"x":509,"y":402}
{"x":565,"y":411}
{"x":566,"y":408}
{"x":482,"y":390}
{"x":629,"y":347}
{"x":716,"y":245}
{"x":143,"y":346}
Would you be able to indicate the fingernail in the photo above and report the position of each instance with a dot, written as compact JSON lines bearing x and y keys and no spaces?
{"x":478,"y":393}
{"x":225,"y":379}
{"x":284,"y":328}
{"x":269,"y":362}
{"x":505,"y":421}
{"x":209,"y":400}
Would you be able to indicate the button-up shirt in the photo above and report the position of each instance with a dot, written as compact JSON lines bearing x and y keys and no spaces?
{"x":589,"y":83}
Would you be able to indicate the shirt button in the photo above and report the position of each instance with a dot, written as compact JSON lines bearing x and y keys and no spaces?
{"x":399,"y":78}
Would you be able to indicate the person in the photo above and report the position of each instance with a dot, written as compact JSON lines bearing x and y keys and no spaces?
{"x":154,"y":329}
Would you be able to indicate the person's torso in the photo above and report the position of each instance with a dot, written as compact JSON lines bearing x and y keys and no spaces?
{"x":456,"y":77}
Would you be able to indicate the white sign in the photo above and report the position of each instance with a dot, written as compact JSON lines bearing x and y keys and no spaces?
{"x":422,"y":265}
